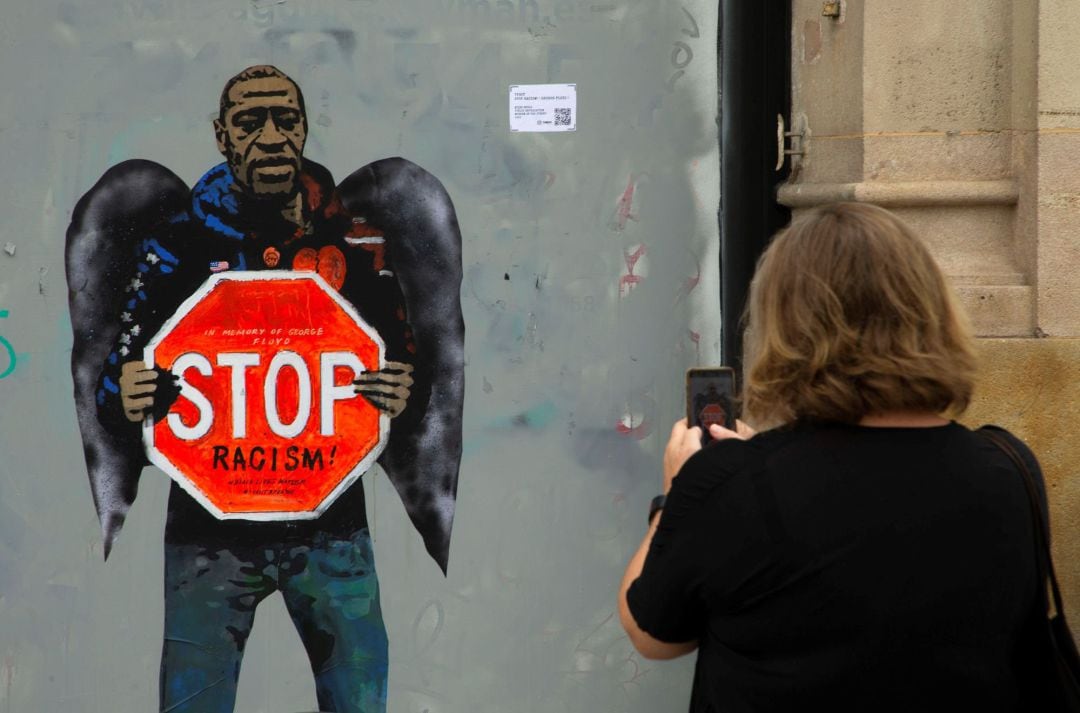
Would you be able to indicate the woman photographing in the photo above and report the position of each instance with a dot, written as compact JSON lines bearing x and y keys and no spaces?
{"x":864,"y":553}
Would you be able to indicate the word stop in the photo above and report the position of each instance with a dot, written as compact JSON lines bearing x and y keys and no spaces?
{"x":238,"y":363}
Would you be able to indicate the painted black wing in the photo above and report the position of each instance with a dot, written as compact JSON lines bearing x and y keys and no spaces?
{"x":423,"y":242}
{"x":132,"y":200}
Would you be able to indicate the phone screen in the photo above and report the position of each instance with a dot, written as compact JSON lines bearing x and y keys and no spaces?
{"x":710,"y":398}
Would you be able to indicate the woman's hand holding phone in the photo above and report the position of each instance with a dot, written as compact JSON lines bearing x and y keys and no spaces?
{"x":742,"y":431}
{"x":685,"y":441}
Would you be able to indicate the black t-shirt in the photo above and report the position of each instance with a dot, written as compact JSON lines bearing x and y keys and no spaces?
{"x":838,"y":567}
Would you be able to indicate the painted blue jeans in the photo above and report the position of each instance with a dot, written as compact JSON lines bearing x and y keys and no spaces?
{"x":331,"y":592}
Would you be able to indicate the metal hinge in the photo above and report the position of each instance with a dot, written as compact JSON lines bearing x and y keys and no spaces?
{"x":782,"y":136}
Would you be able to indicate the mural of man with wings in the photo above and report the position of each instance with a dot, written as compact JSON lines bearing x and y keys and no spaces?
{"x":387,"y":238}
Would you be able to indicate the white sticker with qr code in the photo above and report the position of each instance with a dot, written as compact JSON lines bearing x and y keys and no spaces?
{"x":543,"y":107}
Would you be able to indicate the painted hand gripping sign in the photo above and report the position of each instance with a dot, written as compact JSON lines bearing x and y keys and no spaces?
{"x":268,"y":425}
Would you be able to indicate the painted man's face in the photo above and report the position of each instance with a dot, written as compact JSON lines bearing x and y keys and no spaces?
{"x":263,"y":134}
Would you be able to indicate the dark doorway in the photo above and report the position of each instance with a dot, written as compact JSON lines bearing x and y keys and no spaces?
{"x":755,"y":81}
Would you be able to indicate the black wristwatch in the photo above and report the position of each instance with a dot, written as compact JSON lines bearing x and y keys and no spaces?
{"x":656,"y":506}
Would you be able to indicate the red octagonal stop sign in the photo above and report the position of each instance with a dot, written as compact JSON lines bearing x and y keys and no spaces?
{"x":267,"y":425}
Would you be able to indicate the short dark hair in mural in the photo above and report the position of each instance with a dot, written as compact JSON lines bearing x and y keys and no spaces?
{"x":261,"y":71}
{"x":300,"y":330}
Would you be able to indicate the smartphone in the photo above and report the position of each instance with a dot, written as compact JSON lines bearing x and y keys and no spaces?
{"x":710,"y":398}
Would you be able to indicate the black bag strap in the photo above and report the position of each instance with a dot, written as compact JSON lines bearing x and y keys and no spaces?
{"x":1045,"y":559}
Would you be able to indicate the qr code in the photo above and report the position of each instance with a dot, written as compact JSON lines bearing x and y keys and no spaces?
{"x":562,"y":117}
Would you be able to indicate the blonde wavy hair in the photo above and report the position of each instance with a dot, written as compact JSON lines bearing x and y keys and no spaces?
{"x":849,"y":315}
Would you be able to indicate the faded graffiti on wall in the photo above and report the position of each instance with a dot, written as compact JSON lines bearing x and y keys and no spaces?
{"x":264,"y":337}
{"x":9,"y":352}
{"x":585,"y":303}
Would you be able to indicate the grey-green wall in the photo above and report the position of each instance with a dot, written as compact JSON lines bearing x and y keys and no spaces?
{"x":552,"y":495}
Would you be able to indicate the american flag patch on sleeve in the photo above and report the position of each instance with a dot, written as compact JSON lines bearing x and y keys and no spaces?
{"x":219,"y":265}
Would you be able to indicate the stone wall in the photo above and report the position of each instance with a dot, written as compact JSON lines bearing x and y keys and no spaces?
{"x":964,"y":118}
